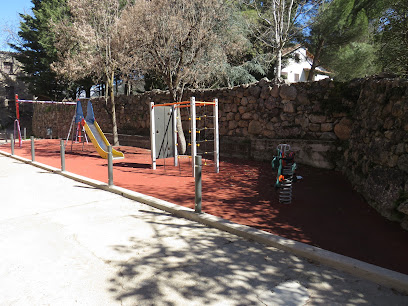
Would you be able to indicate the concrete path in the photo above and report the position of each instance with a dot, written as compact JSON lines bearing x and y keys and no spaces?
{"x":66,"y":243}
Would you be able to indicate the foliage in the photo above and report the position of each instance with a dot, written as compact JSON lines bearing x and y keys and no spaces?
{"x":278,"y":22}
{"x":339,"y":39}
{"x":354,"y":60}
{"x":392,"y":37}
{"x":89,"y":44}
{"x":36,"y":50}
{"x":181,"y":41}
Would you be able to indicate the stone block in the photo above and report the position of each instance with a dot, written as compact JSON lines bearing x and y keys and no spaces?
{"x":247,"y":116}
{"x":269,"y":133}
{"x":403,"y":162}
{"x":230,"y":116}
{"x":232,"y":125}
{"x":244,"y":101}
{"x":289,"y":107}
{"x":255,"y":91}
{"x":314,"y":127}
{"x":327,"y":127}
{"x":343,"y":129}
{"x":263,"y":82}
{"x":275,"y":91}
{"x":237,"y":116}
{"x":242,"y":109}
{"x":252,"y":100}
{"x":303,"y":99}
{"x":288,"y":92}
{"x":328,"y":136}
{"x":255,"y":127}
{"x":317,"y":118}
{"x":243,"y":123}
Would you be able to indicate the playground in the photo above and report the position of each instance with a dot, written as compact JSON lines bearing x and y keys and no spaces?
{"x":325,"y":211}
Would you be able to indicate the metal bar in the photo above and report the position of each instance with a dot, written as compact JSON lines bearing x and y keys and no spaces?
{"x":193,"y":132}
{"x":25,"y":133}
{"x":46,"y":102}
{"x":62,"y":155}
{"x":170,"y":104}
{"x":32,"y":149}
{"x":216,"y":138}
{"x":12,"y":144}
{"x":152,"y":136}
{"x":175,"y":135}
{"x":110,"y":166}
{"x":200,"y":103}
{"x":198,"y":184}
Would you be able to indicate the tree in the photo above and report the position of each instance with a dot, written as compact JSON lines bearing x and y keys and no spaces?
{"x":36,"y":51}
{"x":353,"y":60}
{"x":88,"y":45}
{"x":336,"y":25}
{"x":392,"y":37}
{"x":182,"y":41}
{"x":279,"y":21}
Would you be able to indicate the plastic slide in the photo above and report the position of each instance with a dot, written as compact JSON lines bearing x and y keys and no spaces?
{"x":97,"y":137}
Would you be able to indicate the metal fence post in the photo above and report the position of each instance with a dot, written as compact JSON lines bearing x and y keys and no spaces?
{"x":62,"y":155}
{"x":110,"y":166}
{"x":25,"y":133}
{"x":198,"y":184}
{"x":32,"y":149}
{"x":12,"y":144}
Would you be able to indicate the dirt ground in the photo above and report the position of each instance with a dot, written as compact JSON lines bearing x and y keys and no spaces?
{"x":325,"y":211}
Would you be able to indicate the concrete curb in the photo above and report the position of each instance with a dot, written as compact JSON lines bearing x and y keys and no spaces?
{"x":381,"y":276}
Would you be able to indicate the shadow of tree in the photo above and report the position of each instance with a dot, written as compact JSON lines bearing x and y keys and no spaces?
{"x":187,"y":263}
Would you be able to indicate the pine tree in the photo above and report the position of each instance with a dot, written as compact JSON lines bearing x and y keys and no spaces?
{"x":36,"y":51}
{"x":392,"y":37}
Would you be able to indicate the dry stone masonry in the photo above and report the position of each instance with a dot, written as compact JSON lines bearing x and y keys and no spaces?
{"x":359,"y":128}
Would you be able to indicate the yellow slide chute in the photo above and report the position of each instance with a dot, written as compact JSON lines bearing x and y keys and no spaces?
{"x":97,"y":137}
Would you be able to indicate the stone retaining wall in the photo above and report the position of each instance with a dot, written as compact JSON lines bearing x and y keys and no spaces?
{"x":359,"y":128}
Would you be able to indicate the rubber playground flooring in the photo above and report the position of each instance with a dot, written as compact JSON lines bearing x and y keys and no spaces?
{"x":325,"y":211}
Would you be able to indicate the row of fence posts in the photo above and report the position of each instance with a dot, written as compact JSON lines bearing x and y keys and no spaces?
{"x":12,"y":135}
{"x":198,"y":170}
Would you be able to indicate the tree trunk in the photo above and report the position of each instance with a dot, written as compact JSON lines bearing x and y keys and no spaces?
{"x":113,"y":111}
{"x":182,"y":144}
{"x":278,"y":64}
{"x":316,"y":59}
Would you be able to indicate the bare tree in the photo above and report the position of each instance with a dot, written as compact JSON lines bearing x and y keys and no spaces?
{"x":279,"y":21}
{"x":182,"y":41}
{"x":88,"y":45}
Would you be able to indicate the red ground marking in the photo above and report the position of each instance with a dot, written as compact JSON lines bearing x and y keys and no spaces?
{"x":325,"y":211}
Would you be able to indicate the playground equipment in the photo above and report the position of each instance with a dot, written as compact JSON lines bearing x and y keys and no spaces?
{"x":96,"y":135}
{"x":285,"y":165}
{"x":163,"y":131}
{"x":17,"y":121}
{"x":87,"y":125}
{"x":78,"y":123}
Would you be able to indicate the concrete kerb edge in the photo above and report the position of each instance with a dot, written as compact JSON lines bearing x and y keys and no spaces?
{"x":382,"y":276}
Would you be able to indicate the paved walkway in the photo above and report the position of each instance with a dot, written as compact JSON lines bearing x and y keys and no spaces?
{"x":66,"y":243}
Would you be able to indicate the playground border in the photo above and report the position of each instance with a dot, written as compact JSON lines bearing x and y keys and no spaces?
{"x":373,"y":273}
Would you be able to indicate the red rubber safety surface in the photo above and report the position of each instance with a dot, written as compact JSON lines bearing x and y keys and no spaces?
{"x":325,"y":211}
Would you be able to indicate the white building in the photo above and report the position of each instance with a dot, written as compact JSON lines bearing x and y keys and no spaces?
{"x":299,"y":64}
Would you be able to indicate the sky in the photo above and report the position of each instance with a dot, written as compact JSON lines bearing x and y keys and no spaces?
{"x":9,"y":18}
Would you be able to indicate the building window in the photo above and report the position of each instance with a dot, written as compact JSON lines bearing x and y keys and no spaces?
{"x":8,"y":67}
{"x":296,"y":77}
{"x":297,"y":58}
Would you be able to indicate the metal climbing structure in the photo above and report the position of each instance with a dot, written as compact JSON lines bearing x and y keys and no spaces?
{"x":163,"y":131}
